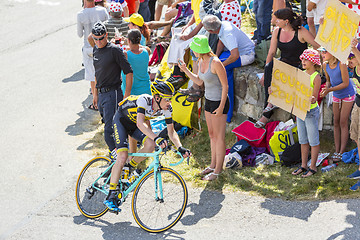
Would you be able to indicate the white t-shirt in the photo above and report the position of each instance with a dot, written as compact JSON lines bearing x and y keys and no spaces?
{"x":319,"y":10}
{"x":86,"y":19}
{"x":232,"y":37}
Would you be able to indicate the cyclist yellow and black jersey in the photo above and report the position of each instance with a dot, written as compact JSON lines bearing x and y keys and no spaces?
{"x":132,"y":105}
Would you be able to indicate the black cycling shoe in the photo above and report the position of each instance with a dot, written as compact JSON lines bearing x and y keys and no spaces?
{"x":112,"y":202}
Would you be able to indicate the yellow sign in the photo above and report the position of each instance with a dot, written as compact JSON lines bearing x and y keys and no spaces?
{"x":291,"y":89}
{"x":339,"y":28}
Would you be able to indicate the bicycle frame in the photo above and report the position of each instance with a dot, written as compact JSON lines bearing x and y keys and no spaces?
{"x":155,"y":164}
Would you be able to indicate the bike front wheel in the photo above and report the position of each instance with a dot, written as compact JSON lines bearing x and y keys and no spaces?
{"x":154,"y":213}
{"x":89,"y":198}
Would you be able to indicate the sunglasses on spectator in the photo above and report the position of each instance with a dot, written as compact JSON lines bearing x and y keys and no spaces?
{"x":99,"y":39}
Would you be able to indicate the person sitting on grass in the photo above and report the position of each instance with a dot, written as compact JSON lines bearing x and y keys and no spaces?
{"x":130,"y":119}
{"x":308,"y":130}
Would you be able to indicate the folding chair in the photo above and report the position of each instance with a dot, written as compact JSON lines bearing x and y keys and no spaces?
{"x":249,"y":6}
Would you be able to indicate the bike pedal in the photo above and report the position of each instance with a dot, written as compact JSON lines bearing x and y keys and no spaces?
{"x":116,"y":212}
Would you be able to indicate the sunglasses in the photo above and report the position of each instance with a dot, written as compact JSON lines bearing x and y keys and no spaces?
{"x":99,"y":39}
{"x":167,"y":99}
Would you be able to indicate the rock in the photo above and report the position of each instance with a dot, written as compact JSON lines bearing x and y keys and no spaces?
{"x":328,"y":115}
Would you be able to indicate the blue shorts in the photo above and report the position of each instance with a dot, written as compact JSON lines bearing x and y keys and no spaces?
{"x":308,"y":130}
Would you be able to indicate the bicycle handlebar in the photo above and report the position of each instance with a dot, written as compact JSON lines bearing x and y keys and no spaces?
{"x":177,"y":152}
{"x":158,"y":150}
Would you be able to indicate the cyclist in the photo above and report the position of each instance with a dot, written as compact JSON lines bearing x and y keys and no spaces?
{"x":130,"y":119}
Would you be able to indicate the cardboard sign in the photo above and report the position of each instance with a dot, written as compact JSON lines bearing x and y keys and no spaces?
{"x":339,"y":28}
{"x":291,"y":89}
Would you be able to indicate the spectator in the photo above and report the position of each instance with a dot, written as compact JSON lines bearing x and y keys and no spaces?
{"x":86,"y":18}
{"x":355,"y":114}
{"x":240,"y":50}
{"x":152,"y":4}
{"x":291,"y":38}
{"x":136,"y":21}
{"x":230,"y":11}
{"x":310,"y":19}
{"x":262,"y":10}
{"x":144,"y":10}
{"x":353,"y":5}
{"x":308,"y":130}
{"x":318,"y":9}
{"x":211,"y":73}
{"x":138,"y":57}
{"x":109,"y":60}
{"x":337,"y":81}
{"x":133,"y":7}
{"x":115,"y":11}
{"x":171,"y":13}
{"x":100,"y":3}
{"x":159,"y":7}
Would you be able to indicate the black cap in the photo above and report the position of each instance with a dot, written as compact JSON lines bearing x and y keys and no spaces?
{"x":98,"y":29}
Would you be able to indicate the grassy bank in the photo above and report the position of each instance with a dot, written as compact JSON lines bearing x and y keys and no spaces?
{"x":268,"y":181}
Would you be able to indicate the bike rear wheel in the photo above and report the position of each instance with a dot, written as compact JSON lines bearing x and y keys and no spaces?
{"x":158,"y":215}
{"x":89,"y":200}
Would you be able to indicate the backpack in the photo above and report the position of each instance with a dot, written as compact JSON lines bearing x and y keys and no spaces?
{"x":242,"y":147}
{"x":291,"y":155}
{"x":261,"y":52}
{"x":159,"y":52}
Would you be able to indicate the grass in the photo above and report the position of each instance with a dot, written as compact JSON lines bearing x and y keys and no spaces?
{"x":269,"y":181}
{"x":273,"y":181}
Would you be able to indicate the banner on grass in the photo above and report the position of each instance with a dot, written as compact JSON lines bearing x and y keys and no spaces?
{"x":291,"y":89}
{"x":339,"y":28}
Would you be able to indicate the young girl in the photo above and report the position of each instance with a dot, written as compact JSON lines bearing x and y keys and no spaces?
{"x":337,"y":81}
{"x":355,"y":114}
{"x":212,"y":73}
{"x":308,"y":131}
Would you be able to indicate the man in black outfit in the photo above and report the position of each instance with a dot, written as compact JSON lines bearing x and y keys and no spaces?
{"x":109,"y":60}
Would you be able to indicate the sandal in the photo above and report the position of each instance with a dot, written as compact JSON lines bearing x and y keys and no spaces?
{"x":211,"y":177}
{"x":268,"y":109}
{"x":207,"y":171}
{"x":309,"y":173}
{"x":299,"y":170}
{"x":259,"y":124}
{"x":92,"y":107}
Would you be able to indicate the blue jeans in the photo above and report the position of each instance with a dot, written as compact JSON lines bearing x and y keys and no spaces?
{"x":262,"y":10}
{"x":308,"y":130}
{"x":230,"y":77}
{"x":107,"y":105}
{"x":144,"y":10}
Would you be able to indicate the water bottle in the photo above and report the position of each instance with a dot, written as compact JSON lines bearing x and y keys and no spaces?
{"x":134,"y":175}
{"x":125,"y":177}
{"x":329,"y":167}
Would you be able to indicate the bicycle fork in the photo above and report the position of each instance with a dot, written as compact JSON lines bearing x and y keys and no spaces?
{"x":158,"y":184}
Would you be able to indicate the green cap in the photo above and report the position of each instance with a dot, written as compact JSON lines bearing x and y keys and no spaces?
{"x":200,"y":44}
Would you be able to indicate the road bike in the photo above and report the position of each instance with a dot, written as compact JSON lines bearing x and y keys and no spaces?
{"x":159,"y":194}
